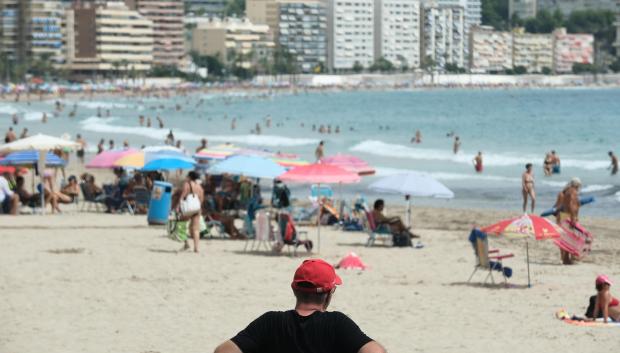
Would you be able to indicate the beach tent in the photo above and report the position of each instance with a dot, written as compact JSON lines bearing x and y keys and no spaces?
{"x":318,"y":173}
{"x":249,"y":166}
{"x":525,"y":227}
{"x":42,"y":143}
{"x":411,"y":184}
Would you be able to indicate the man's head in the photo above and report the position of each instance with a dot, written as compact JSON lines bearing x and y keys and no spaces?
{"x":528,"y":166}
{"x":553,"y":152}
{"x":575,"y":182}
{"x":610,"y":153}
{"x":314,"y":282}
{"x":379,"y":204}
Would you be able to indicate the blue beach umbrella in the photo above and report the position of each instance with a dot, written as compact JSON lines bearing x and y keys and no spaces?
{"x":249,"y":166}
{"x":30,"y":158}
{"x":169,"y":164}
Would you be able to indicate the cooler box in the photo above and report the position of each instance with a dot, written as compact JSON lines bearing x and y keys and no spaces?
{"x":159,"y":207}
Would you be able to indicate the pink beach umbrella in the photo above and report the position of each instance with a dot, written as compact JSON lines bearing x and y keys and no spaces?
{"x":349,"y":163}
{"x":106,"y":159}
{"x":319,"y":173}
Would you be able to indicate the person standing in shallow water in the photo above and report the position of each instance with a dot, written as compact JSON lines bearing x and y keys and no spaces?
{"x":478,"y":162}
{"x":527,"y":187}
{"x":614,"y":163}
{"x":319,"y":153}
{"x":457,"y":145}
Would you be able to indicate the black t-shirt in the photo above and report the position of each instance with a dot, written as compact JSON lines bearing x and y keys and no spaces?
{"x":289,"y":332}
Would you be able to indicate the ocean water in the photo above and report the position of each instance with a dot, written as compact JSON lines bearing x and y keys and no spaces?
{"x":511,"y":127}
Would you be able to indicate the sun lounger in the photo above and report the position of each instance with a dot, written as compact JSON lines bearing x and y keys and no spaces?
{"x":488,"y":260}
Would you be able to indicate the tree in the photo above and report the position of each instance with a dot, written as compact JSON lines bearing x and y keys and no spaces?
{"x":213,"y":63}
{"x":520,"y":70}
{"x":284,"y":63}
{"x":235,"y":8}
{"x":546,"y":70}
{"x":495,"y":14}
{"x":544,"y":22}
{"x":454,"y":68}
{"x":382,"y":65}
{"x":579,"y":68}
{"x":598,"y":22}
{"x":357,"y":67}
{"x":615,"y":66}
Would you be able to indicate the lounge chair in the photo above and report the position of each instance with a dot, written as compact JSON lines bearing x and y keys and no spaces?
{"x":288,"y":235}
{"x":381,"y":232}
{"x":488,"y":260}
{"x":90,"y":199}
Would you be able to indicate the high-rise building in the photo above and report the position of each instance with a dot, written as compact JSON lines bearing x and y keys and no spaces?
{"x":44,"y":38}
{"x":570,"y":49}
{"x":350,"y":33}
{"x":473,"y":15}
{"x":263,"y":12}
{"x":443,"y":41}
{"x":568,"y":6}
{"x":233,"y":39}
{"x":522,"y":8}
{"x":103,"y":39}
{"x":534,"y":52}
{"x":490,"y":50}
{"x":9,"y":28}
{"x":209,"y":8}
{"x":397,"y":32}
{"x":302,"y":31}
{"x":168,"y":31}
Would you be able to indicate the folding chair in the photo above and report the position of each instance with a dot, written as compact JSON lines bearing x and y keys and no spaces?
{"x":381,"y":232}
{"x":285,"y":223}
{"x":488,"y":260}
{"x":142,"y":198}
{"x":261,"y":233}
{"x":90,"y":199}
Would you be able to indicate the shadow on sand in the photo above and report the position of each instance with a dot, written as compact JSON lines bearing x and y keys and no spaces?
{"x":495,"y":286}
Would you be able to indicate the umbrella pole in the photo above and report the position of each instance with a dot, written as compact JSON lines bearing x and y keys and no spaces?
{"x":408,"y":210}
{"x":318,"y":224}
{"x":527,"y":252}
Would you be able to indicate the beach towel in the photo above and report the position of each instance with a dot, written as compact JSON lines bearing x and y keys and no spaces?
{"x":575,"y":239}
{"x":563,"y":315}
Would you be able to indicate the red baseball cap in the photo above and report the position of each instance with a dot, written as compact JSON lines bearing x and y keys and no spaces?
{"x":602,"y":279}
{"x":316,"y":275}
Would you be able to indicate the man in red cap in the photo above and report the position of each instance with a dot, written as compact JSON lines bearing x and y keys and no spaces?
{"x":308,"y":328}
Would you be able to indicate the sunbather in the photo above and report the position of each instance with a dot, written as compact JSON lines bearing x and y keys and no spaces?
{"x":395,"y":223}
{"x":605,"y":302}
{"x":67,"y":194}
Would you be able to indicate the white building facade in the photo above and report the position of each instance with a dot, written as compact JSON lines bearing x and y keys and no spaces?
{"x":397,"y":32}
{"x":444,"y":37}
{"x":350,"y":33}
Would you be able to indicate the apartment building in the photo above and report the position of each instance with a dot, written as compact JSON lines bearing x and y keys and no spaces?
{"x":350,"y":34}
{"x":532,"y":51}
{"x":44,"y":37}
{"x":443,"y":29}
{"x":233,"y":39}
{"x":168,"y":31}
{"x":569,"y":49}
{"x":491,"y":51}
{"x":568,"y":6}
{"x":102,"y":39}
{"x":397,"y":32}
{"x":522,"y":8}
{"x":263,"y":12}
{"x":302,"y":31}
{"x":9,"y":28}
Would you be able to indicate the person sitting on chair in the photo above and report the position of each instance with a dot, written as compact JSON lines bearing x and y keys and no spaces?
{"x":67,"y":194}
{"x":395,"y":223}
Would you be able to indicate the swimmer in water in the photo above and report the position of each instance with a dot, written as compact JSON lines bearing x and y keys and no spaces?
{"x":141,"y":120}
{"x":417,"y":138}
{"x":614,"y":163}
{"x":148,"y":122}
{"x":44,"y":118}
{"x":457,"y":145}
{"x":478,"y":162}
{"x":233,"y":124}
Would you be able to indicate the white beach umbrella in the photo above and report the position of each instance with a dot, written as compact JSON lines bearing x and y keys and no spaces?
{"x":411,"y":184}
{"x":42,"y":143}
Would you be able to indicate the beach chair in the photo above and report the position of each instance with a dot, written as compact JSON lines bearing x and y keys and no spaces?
{"x":488,"y":260}
{"x":306,"y":215}
{"x":142,"y":198}
{"x":381,"y":232}
{"x":288,"y":235}
{"x":261,"y":233}
{"x":90,"y":200}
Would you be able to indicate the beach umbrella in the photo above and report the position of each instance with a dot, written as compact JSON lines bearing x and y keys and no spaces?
{"x":139,"y":159}
{"x":249,"y":166}
{"x":42,"y":143}
{"x":162,"y":149}
{"x":29,"y":158}
{"x":168,"y":163}
{"x":318,"y":173}
{"x":411,"y":184}
{"x":106,"y":159}
{"x":219,"y":152}
{"x":349,"y":163}
{"x":525,"y":227}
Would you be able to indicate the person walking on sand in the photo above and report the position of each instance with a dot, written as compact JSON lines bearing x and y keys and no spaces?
{"x":457,"y":144}
{"x":192,"y":186}
{"x":614,"y":163}
{"x":567,"y":204}
{"x":309,"y":327}
{"x":80,"y":151}
{"x":319,"y":152}
{"x":478,"y":162}
{"x":527,"y":186}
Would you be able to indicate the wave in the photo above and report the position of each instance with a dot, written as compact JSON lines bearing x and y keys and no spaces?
{"x":93,"y":104}
{"x":34,"y":116}
{"x":380,"y":148}
{"x":596,"y":187}
{"x":381,"y":171}
{"x":104,"y":125}
{"x":8,"y":109}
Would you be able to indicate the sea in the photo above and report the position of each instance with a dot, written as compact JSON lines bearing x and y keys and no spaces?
{"x":511,"y":127}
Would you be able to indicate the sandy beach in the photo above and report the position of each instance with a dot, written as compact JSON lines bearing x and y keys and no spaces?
{"x":87,"y":282}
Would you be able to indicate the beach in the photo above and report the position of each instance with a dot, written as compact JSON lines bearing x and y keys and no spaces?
{"x":87,"y":282}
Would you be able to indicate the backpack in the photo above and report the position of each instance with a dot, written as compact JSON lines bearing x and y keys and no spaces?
{"x":401,"y":240}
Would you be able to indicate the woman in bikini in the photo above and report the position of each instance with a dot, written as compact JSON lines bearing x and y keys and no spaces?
{"x":527,"y":186}
{"x":605,"y":302}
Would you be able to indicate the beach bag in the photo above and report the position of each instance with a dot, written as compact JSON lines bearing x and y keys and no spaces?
{"x":401,"y":240}
{"x":191,"y":204}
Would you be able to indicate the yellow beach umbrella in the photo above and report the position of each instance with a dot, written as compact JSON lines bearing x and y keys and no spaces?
{"x":133,"y":160}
